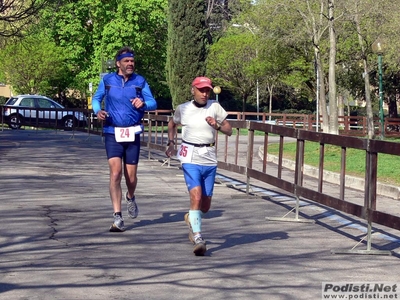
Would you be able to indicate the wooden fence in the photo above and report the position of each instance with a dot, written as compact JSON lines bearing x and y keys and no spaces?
{"x":348,"y":125}
{"x":237,"y":154}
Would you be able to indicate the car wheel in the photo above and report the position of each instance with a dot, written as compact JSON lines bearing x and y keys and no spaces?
{"x":15,"y":122}
{"x":69,"y":122}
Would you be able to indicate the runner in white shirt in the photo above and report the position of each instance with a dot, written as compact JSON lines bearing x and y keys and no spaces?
{"x":201,"y":119}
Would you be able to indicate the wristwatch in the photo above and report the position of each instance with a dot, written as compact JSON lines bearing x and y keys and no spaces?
{"x":170,"y":142}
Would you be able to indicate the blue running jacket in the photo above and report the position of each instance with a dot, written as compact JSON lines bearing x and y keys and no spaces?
{"x":117,"y":95}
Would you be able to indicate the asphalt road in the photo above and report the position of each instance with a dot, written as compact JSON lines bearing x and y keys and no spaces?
{"x":55,"y":214}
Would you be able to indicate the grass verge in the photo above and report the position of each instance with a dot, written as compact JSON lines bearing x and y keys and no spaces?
{"x":388,"y":170}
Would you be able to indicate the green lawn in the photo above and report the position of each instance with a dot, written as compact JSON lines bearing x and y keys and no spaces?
{"x":388,"y":170}
{"x":355,"y":163}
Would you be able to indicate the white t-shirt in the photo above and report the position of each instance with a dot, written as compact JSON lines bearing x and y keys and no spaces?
{"x":196,"y":130}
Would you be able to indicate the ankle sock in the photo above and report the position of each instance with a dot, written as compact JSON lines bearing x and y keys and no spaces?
{"x":197,"y":236}
{"x":127,"y":197}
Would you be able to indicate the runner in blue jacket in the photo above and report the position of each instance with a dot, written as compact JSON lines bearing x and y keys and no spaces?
{"x":127,"y":96}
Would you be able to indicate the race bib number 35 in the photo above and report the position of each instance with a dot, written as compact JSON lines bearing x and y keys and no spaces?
{"x":126,"y":134}
{"x":185,"y":153}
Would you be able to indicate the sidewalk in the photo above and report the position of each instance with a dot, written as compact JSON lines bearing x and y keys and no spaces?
{"x":54,"y":244}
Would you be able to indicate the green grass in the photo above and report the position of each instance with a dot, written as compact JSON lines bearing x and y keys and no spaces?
{"x":245,"y":132}
{"x":355,"y":159}
{"x":388,"y":170}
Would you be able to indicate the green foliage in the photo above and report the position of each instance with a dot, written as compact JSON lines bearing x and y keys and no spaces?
{"x":231,"y":64}
{"x":299,"y":73}
{"x":145,"y":31}
{"x":275,"y":44}
{"x":92,"y":31}
{"x":34,"y":65}
{"x":187,"y":46}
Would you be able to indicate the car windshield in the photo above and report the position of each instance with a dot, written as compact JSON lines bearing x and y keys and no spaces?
{"x":58,"y":105}
{"x":46,"y":103}
{"x":11,"y":101}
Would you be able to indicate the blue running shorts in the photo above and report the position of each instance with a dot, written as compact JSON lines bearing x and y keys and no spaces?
{"x":198,"y":175}
{"x":127,"y":151}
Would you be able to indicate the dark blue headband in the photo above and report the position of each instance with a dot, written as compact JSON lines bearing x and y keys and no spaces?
{"x":127,"y":54}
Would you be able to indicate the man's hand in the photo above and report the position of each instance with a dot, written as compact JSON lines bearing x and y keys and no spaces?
{"x":137,"y":103}
{"x":102,"y":115}
{"x":170,"y":151}
{"x":213,"y":123}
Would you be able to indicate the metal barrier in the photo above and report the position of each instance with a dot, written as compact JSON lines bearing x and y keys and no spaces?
{"x":348,"y":125}
{"x":237,"y":154}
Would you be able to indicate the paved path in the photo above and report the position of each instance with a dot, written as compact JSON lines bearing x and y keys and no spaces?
{"x":54,"y":244}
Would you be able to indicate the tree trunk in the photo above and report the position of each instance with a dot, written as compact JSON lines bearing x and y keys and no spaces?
{"x":370,"y":116}
{"x":270,"y":91}
{"x":340,"y":105}
{"x":333,"y":110}
{"x":392,"y":107}
{"x":322,"y":95}
{"x":244,"y":107}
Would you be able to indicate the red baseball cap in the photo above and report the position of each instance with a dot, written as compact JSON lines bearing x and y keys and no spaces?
{"x":201,"y":82}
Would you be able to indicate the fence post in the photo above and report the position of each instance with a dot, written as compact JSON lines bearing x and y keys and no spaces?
{"x":249,"y":162}
{"x":369,"y":203}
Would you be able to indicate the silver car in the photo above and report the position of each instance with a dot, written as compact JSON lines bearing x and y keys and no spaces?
{"x":39,"y":110}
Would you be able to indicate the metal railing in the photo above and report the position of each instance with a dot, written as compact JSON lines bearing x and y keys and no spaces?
{"x":237,"y":154}
{"x":348,"y":125}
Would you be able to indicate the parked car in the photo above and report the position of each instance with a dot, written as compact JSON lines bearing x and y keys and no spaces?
{"x":35,"y":109}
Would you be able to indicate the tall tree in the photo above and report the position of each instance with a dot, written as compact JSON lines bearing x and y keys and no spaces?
{"x":91,"y":32}
{"x":273,"y":66}
{"x":314,"y":18}
{"x":366,"y":20}
{"x":221,"y":12}
{"x":188,"y":39}
{"x":232,"y":64}
{"x":34,"y":65}
{"x":145,"y":30}
{"x":301,"y":26}
{"x":76,"y":26}
{"x":16,"y":15}
{"x":364,"y":52}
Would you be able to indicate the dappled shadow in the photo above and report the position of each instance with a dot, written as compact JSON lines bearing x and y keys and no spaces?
{"x":172,"y":217}
{"x":234,"y":239}
{"x":5,"y":287}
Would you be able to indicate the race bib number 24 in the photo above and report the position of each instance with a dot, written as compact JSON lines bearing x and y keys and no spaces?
{"x":126,"y":134}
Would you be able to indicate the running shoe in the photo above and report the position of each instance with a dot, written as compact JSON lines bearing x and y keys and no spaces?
{"x":191,"y":237}
{"x":199,"y":246}
{"x":118,"y":225}
{"x":133,"y":209}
